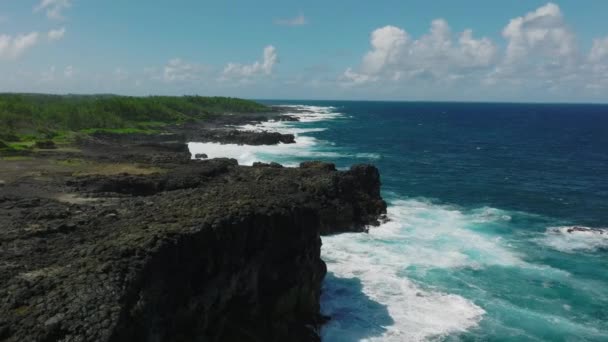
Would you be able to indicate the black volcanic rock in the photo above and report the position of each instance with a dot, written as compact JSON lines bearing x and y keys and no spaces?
{"x":45,"y":144}
{"x":207,"y":251}
{"x":241,"y":137}
{"x":315,"y":164}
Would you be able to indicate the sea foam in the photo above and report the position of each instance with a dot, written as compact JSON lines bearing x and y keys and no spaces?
{"x":305,"y":147}
{"x":420,"y":235}
{"x":571,"y":239}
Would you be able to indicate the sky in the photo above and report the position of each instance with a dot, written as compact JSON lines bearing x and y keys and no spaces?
{"x":440,"y":50}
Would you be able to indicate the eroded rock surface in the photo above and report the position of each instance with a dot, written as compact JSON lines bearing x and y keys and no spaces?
{"x":207,"y":251}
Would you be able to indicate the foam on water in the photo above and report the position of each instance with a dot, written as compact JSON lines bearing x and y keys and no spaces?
{"x":306,"y":147}
{"x":571,"y":239}
{"x":420,"y":235}
{"x":247,"y":154}
{"x":435,"y":272}
{"x":314,"y":113}
{"x":279,"y":126}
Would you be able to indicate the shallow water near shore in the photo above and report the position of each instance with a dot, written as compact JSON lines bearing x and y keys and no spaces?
{"x":482,"y":201}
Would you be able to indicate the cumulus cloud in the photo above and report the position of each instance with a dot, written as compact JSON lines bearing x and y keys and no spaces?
{"x":299,"y":20}
{"x":599,"y":51}
{"x":244,"y":71}
{"x":178,"y":70}
{"x":542,"y":31}
{"x":540,"y":53}
{"x":395,"y":55}
{"x":53,"y":8}
{"x":57,"y":34}
{"x":14,"y":47}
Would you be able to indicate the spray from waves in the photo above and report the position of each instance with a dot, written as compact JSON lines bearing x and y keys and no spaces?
{"x":304,"y":114}
{"x":281,"y":127}
{"x":313,"y":113}
{"x":248,"y":154}
{"x":572,"y":239}
{"x":377,"y":287}
{"x":419,"y":235}
{"x":306,"y":147}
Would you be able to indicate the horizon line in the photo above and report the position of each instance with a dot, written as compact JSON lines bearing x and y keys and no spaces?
{"x":541,"y":102}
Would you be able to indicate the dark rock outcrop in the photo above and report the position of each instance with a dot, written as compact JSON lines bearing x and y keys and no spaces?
{"x":209,"y":251}
{"x":45,"y":144}
{"x":241,"y":137}
{"x":318,"y":165}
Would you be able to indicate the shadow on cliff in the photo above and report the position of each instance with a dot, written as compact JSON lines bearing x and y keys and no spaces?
{"x":354,"y":316}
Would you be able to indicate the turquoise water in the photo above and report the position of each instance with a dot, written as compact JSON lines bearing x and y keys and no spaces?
{"x":481,"y":197}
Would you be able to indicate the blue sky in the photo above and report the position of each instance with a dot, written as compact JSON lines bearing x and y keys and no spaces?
{"x":389,"y":50}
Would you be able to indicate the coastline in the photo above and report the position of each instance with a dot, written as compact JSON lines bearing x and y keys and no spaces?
{"x":127,"y":237}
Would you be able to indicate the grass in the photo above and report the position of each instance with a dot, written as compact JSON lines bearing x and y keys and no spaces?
{"x":15,"y":158}
{"x":25,"y":117}
{"x":29,"y":118}
{"x":21,"y":145}
{"x":127,"y":130}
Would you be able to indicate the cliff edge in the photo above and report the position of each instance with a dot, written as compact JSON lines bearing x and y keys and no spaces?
{"x":207,"y":251}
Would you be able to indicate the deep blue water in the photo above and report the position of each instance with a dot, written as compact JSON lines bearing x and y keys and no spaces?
{"x":547,"y":159}
{"x":480,"y":200}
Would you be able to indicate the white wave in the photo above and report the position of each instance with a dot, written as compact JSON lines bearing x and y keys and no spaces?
{"x":314,"y":113}
{"x":368,"y":155}
{"x":305,"y":147}
{"x":570,"y":239}
{"x":248,"y":154}
{"x":281,"y":127}
{"x":421,"y":235}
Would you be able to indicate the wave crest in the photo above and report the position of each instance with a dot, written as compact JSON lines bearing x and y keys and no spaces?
{"x":571,"y":239}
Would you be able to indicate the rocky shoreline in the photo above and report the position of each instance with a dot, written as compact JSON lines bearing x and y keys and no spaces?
{"x":126,"y":238}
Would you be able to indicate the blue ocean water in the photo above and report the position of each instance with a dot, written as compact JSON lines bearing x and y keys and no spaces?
{"x":481,"y":200}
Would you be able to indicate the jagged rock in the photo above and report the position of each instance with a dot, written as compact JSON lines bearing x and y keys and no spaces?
{"x":209,"y":251}
{"x":318,"y":165}
{"x":272,"y":164}
{"x":241,"y":137}
{"x":201,"y":156}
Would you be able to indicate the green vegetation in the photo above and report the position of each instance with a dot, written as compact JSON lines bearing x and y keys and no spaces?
{"x":26,"y":118}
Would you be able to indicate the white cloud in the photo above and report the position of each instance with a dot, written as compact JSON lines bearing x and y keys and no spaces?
{"x":56,"y":34}
{"x":541,"y":56}
{"x":388,"y":45}
{"x":299,"y":20}
{"x":353,"y":78}
{"x":543,"y":32}
{"x":69,"y":71}
{"x":396,"y":56}
{"x":54,"y":8}
{"x":178,"y":70}
{"x":599,"y":51}
{"x":14,"y":47}
{"x":244,"y":71}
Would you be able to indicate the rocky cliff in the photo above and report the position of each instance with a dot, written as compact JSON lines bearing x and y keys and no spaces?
{"x":207,"y":251}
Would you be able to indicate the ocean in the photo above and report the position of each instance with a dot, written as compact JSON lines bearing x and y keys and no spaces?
{"x":483,"y":199}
